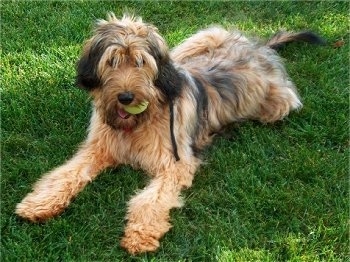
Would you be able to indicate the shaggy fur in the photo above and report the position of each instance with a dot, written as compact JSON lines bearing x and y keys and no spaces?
{"x":212,"y":79}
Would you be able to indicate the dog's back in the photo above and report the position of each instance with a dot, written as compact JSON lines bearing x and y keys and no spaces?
{"x":233,"y":78}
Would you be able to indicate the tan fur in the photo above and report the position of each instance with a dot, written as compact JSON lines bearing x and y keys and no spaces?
{"x":129,"y":55}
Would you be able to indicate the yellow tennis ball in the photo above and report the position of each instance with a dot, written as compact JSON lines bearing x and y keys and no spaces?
{"x":137,"y":109}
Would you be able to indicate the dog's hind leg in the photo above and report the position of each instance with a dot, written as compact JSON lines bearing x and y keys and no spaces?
{"x":54,"y":191}
{"x":148,"y":213}
{"x":279,"y":101}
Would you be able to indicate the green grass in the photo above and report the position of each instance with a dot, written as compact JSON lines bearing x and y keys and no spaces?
{"x":266,"y":193}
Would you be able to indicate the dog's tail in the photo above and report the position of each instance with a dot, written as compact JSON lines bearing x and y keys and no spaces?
{"x":280,"y":39}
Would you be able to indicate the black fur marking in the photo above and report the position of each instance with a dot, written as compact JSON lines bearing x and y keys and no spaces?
{"x":201,"y":98}
{"x":87,"y":77}
{"x":224,"y":83}
{"x":172,"y":135}
{"x":154,"y":50}
{"x":202,"y":112}
{"x":169,"y":81}
{"x":280,"y":39}
{"x":86,"y":68}
{"x":310,"y":37}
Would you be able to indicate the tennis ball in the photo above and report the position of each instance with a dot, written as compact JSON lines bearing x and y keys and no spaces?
{"x":137,"y":109}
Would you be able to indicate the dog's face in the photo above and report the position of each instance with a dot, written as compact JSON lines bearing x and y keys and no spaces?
{"x":126,"y":62}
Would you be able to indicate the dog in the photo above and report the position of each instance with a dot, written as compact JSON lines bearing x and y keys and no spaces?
{"x":188,"y":95}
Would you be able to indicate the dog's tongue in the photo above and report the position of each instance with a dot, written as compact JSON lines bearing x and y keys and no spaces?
{"x":123,"y":114}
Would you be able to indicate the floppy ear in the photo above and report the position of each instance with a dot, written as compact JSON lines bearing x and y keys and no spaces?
{"x":86,"y":68}
{"x":169,"y":80}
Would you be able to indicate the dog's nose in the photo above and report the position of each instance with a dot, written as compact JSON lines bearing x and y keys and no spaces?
{"x":126,"y":98}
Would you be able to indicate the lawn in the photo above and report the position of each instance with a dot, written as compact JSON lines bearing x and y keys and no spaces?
{"x":265,"y":193}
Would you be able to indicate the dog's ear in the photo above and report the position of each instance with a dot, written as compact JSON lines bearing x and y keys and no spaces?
{"x":169,"y":80}
{"x":86,"y":68}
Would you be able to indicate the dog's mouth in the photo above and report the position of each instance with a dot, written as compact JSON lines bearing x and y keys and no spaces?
{"x":127,"y":110}
{"x":123,"y":114}
{"x":126,"y":117}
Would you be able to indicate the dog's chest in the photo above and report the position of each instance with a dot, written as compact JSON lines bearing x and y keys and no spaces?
{"x":147,"y":150}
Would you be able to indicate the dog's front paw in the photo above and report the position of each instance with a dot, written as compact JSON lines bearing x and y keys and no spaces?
{"x":37,"y":209}
{"x":136,"y":242}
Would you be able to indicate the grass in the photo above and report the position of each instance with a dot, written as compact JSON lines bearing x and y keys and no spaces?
{"x":266,"y":193}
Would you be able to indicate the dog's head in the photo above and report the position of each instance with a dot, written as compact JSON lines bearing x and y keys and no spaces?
{"x":125,"y":63}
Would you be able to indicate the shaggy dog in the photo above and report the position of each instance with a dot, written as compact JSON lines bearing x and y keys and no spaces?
{"x":156,"y":110}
